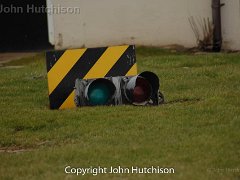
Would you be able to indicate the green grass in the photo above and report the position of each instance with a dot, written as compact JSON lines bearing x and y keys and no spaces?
{"x":197,"y":131}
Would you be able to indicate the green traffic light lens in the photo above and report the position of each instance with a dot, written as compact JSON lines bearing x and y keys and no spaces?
{"x":100,"y":92}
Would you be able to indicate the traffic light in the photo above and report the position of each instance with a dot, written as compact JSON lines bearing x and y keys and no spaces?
{"x":142,"y":89}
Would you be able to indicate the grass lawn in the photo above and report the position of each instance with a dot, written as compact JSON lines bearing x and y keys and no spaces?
{"x":197,"y":130}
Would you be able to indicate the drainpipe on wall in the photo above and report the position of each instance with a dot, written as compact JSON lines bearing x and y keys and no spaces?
{"x":217,"y":29}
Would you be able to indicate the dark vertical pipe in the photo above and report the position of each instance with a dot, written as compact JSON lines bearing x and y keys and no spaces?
{"x":217,"y":29}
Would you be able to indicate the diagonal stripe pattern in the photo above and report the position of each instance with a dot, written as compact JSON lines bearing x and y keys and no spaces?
{"x":85,"y":64}
{"x":62,"y":67}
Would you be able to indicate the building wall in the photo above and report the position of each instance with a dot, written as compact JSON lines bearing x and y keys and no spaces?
{"x":231,"y":24}
{"x":140,"y":22}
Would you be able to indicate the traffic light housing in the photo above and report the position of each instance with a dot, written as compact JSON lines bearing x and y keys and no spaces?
{"x":142,"y":89}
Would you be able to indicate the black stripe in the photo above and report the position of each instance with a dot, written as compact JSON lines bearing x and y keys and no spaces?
{"x":124,"y":64}
{"x":79,"y":70}
{"x":52,"y":57}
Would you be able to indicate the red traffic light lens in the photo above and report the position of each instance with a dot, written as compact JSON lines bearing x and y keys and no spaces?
{"x":142,"y":91}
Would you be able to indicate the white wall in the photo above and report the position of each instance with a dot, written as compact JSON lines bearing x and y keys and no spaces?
{"x":140,"y":22}
{"x":231,"y":24}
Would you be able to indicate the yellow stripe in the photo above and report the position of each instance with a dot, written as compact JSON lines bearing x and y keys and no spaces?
{"x":132,"y":71}
{"x":62,"y":67}
{"x":69,"y":102}
{"x":106,"y":62}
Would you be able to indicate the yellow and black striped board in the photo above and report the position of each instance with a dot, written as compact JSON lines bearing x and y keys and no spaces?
{"x":64,"y":67}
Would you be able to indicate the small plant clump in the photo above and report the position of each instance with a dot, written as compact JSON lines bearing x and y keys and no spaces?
{"x":203,"y":31}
